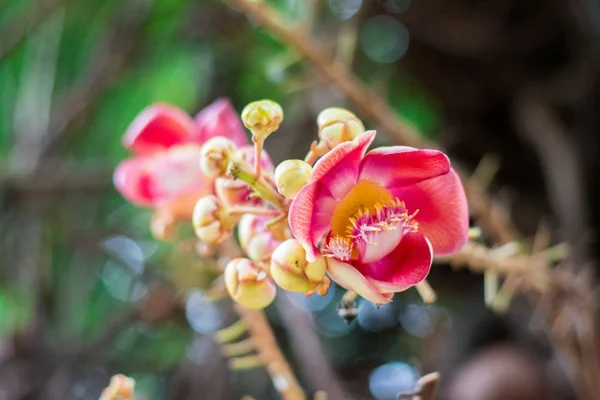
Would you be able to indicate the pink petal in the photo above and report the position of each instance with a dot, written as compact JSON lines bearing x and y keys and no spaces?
{"x":350,"y":278}
{"x":131,"y":180}
{"x":176,"y":173}
{"x":219,"y":119}
{"x":338,"y":169}
{"x":324,"y":206}
{"x":376,"y":245}
{"x":300,"y":219}
{"x":401,"y":165}
{"x":443,"y":215}
{"x":310,"y":215}
{"x":157,"y":128}
{"x":407,"y":265}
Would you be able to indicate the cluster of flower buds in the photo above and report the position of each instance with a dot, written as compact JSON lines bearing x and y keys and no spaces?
{"x":370,"y":221}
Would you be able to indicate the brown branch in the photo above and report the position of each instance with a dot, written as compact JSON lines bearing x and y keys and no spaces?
{"x":425,"y":388}
{"x":56,"y":177}
{"x":312,"y":362}
{"x":493,"y":219}
{"x":281,"y":373}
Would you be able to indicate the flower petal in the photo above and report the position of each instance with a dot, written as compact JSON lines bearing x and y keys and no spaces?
{"x":376,"y":245}
{"x":443,"y":215}
{"x":404,"y":267}
{"x":401,"y":165}
{"x":176,"y":173}
{"x":338,"y":169}
{"x":219,"y":119}
{"x":309,"y":217}
{"x":157,"y":128}
{"x":131,"y":180}
{"x":350,"y":278}
{"x":299,"y":219}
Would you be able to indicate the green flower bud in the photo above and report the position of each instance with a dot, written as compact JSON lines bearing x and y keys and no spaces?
{"x":215,"y":156}
{"x":262,"y":118}
{"x":338,"y":125}
{"x":292,"y":272}
{"x":291,"y":176}
{"x":249,"y":285}
{"x":212,"y":223}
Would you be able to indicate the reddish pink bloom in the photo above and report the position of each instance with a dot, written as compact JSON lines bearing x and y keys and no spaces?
{"x":164,"y":173}
{"x":380,"y":217}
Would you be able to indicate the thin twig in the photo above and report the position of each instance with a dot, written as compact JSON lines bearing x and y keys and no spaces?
{"x":281,"y":373}
{"x":425,"y":388}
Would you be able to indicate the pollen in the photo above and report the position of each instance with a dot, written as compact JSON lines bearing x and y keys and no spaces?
{"x":366,"y":197}
{"x":340,"y":248}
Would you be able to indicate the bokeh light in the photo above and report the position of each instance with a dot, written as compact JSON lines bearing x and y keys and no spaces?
{"x":125,"y":250}
{"x":122,"y":281}
{"x":376,"y":319}
{"x":388,"y":380}
{"x":416,"y":320}
{"x":311,"y":303}
{"x":200,"y":349}
{"x":384,"y":39}
{"x":344,"y":9}
{"x":328,"y":322}
{"x":202,"y":314}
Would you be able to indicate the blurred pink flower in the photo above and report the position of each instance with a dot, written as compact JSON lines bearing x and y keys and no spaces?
{"x":380,"y":217}
{"x":164,"y":172}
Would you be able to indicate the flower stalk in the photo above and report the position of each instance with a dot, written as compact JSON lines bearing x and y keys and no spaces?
{"x":241,"y":210}
{"x":241,"y":171}
{"x":270,"y":355}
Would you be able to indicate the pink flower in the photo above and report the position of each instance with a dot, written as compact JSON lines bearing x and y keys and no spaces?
{"x":380,"y":217}
{"x":164,"y":173}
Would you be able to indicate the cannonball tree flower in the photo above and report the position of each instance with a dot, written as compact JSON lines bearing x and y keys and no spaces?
{"x":380,"y":217}
{"x":164,"y":172}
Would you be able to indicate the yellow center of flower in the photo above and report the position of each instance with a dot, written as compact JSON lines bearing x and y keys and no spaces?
{"x":364,"y":195}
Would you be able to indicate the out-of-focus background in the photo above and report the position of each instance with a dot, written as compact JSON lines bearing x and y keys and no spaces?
{"x":511,"y":81}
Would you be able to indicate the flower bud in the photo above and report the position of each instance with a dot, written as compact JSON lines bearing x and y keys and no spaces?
{"x":338,"y":125}
{"x":291,"y":176}
{"x":233,"y":192}
{"x":248,"y":285}
{"x":292,"y":272}
{"x":215,"y":156}
{"x":262,"y":118}
{"x":256,"y":240}
{"x":120,"y":387}
{"x":211,"y":220}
